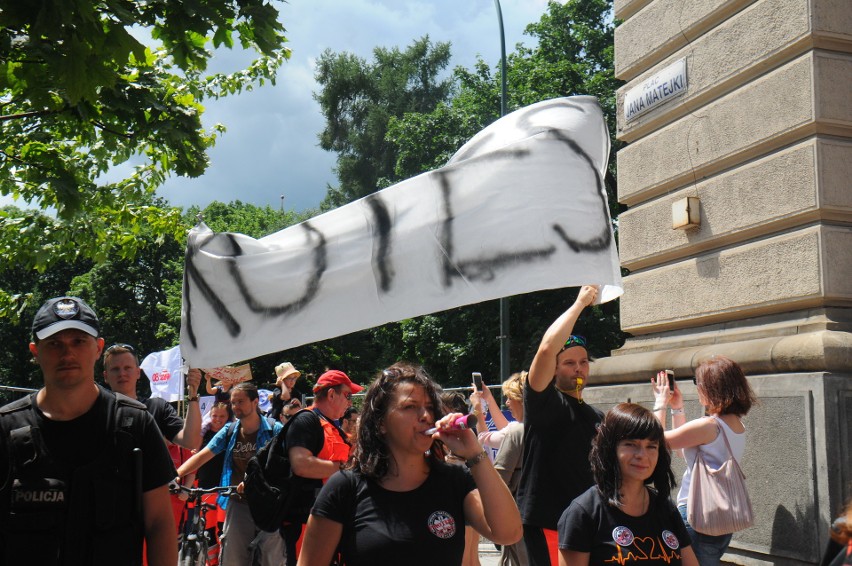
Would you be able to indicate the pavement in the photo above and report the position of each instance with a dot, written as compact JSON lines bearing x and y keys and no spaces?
{"x":488,"y":554}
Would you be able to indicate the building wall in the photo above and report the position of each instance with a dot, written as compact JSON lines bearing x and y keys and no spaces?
{"x":762,"y":136}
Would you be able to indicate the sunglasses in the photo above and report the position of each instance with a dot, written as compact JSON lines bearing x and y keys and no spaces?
{"x":119,"y":345}
{"x":574,"y":340}
{"x":348,"y":395}
{"x":391,"y":373}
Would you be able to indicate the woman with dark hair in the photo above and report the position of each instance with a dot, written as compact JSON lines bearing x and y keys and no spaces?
{"x":621,"y":519}
{"x":727,"y":397}
{"x":399,"y":502}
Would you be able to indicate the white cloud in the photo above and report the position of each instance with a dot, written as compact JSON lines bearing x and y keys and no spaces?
{"x":271,"y":146}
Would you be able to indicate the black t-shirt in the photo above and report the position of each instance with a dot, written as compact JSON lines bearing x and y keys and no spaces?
{"x":62,"y":438}
{"x":558,"y":433}
{"x":613,"y":537}
{"x":305,"y":431}
{"x":165,"y":416}
{"x":75,"y":443}
{"x":276,"y":404}
{"x":210,"y":474}
{"x":85,"y":467}
{"x":424,"y":526}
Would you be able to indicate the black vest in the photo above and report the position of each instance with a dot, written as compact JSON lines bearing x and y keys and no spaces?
{"x":99,"y":521}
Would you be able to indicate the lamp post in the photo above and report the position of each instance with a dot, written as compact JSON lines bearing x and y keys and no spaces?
{"x":504,"y":301}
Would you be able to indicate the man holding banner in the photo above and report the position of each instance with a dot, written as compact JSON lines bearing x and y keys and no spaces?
{"x":121,"y":372}
{"x":558,"y":431}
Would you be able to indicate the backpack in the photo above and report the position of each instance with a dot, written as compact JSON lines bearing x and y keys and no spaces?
{"x":111,"y":492}
{"x":267,"y":486}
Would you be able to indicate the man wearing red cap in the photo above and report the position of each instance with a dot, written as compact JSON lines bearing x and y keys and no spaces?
{"x":317,"y":448}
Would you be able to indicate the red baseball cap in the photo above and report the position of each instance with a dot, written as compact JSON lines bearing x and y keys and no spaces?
{"x":336,"y":377}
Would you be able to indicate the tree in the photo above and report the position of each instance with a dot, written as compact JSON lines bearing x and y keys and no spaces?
{"x":80,"y":94}
{"x":573,"y":55}
{"x":359,"y":98}
{"x":16,"y":361}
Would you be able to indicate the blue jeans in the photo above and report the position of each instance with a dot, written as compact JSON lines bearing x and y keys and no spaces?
{"x":708,"y":549}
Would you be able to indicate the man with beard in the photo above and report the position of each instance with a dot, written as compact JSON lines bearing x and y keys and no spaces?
{"x":240,"y":441}
{"x":559,"y":427}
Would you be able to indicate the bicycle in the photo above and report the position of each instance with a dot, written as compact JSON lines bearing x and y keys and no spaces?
{"x":195,"y":543}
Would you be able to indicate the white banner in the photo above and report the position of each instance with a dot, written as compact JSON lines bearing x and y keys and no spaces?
{"x":264,"y":404}
{"x":205,"y":403}
{"x":164,"y":371}
{"x":521,"y":207}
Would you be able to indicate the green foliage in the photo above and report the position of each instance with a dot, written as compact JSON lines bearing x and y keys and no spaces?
{"x":138,"y":299}
{"x":243,"y":218}
{"x":358,"y":99}
{"x":80,"y":95}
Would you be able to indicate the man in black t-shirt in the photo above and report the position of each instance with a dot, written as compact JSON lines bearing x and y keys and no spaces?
{"x":84,"y":472}
{"x":122,"y":372}
{"x":558,"y":431}
{"x":317,"y":448}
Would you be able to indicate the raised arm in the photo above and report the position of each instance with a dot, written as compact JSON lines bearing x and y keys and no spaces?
{"x":497,"y":417}
{"x":543,"y":367}
{"x":490,"y":508}
{"x":683,"y":434}
{"x":211,"y":390}
{"x":190,"y":435}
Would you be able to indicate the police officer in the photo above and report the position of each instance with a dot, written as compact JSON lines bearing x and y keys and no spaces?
{"x":84,"y":472}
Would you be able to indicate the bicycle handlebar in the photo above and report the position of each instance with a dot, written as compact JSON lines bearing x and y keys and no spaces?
{"x":222,"y":489}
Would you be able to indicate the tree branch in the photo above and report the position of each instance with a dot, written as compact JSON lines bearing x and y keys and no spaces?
{"x":105,"y":128}
{"x":34,"y":113}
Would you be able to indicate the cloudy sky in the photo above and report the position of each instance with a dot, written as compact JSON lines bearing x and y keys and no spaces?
{"x":271,"y":147}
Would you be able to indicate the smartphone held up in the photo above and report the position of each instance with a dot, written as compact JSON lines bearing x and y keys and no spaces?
{"x":670,"y":375}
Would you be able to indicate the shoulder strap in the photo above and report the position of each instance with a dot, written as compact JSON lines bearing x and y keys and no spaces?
{"x":728,"y":444}
{"x":18,"y":405}
{"x":721,"y":429}
{"x":332,"y":423}
{"x":126,"y":411}
{"x":231,"y":431}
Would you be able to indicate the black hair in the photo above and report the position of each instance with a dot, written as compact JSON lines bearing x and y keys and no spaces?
{"x":347,"y":414}
{"x":371,"y":456}
{"x":629,"y":421}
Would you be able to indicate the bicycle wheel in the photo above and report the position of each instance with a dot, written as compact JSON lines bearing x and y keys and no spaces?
{"x":201,"y":559}
{"x":188,"y":554}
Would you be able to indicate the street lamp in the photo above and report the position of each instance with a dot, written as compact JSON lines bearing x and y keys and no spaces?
{"x":504,"y":301}
{"x":502,"y":59}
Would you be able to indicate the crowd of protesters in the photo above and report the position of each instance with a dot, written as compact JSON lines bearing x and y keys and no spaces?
{"x":394,"y":480}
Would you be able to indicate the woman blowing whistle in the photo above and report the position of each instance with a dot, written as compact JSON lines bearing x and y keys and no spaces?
{"x":399,"y":503}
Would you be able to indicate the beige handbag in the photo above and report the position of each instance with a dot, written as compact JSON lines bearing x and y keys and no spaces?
{"x":718,"y":502}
